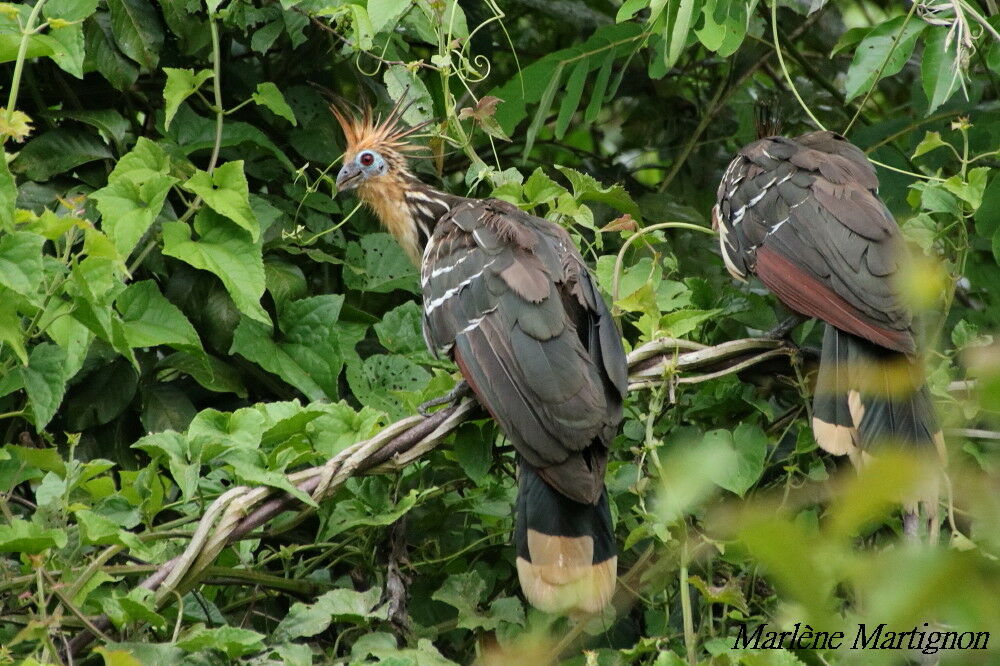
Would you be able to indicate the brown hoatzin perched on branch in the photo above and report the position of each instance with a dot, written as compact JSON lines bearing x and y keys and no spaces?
{"x":804,"y":216}
{"x":508,"y":297}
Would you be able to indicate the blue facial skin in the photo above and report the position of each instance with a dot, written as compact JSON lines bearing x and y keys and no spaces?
{"x":366,"y":164}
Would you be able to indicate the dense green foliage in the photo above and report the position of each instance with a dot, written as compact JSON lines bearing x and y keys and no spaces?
{"x":186,"y":305}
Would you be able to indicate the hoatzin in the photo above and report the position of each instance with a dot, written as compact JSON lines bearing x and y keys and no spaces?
{"x":508,"y":298}
{"x":804,"y":216}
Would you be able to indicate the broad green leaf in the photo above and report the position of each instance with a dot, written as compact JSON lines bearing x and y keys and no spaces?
{"x":21,"y":262}
{"x":207,"y":370}
{"x":749,"y":443}
{"x":128,"y":208}
{"x":137,"y":30}
{"x":465,"y":592}
{"x":402,"y":83}
{"x":474,"y":451}
{"x":401,"y":329}
{"x":37,"y":46}
{"x":21,"y":536}
{"x":340,"y":605}
{"x":586,"y":188}
{"x":181,"y":84}
{"x":881,"y":54}
{"x":11,"y":330}
{"x":71,"y":55}
{"x":175,"y":449}
{"x":940,"y":71}
{"x":151,"y":320}
{"x":45,"y":381}
{"x":69,"y":10}
{"x":57,"y":151}
{"x":341,"y":427}
{"x":931,"y":141}
{"x":306,"y":354}
{"x":143,"y":163}
{"x":362,"y":27}
{"x":225,"y":190}
{"x":971,"y":189}
{"x":227,"y":251}
{"x":102,"y":397}
{"x":384,"y":14}
{"x":234,"y":642}
{"x":95,"y":528}
{"x":194,"y":133}
{"x":268,"y":95}
{"x":104,"y":55}
{"x":378,"y":264}
{"x":165,"y":406}
{"x":389,"y":383}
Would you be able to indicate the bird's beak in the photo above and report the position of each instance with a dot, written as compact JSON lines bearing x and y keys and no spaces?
{"x":349,"y":177}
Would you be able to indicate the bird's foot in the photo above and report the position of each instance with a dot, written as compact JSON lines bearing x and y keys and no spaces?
{"x":460,"y":391}
{"x":781,"y":331}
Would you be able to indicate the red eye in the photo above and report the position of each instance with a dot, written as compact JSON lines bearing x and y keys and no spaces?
{"x":366,"y":159}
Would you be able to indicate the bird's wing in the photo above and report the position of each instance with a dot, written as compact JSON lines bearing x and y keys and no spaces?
{"x":507,"y":295}
{"x":804,"y":216}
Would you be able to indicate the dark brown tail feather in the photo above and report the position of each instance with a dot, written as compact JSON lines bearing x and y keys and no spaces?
{"x":867,"y":397}
{"x":566,"y":557}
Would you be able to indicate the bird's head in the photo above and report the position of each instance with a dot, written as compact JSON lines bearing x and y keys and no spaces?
{"x":375,"y":152}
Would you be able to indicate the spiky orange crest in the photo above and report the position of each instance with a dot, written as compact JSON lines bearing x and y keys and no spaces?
{"x":364,"y":131}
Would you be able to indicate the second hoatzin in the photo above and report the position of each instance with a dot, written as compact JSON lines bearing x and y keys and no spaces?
{"x":508,"y":297}
{"x":804,"y":216}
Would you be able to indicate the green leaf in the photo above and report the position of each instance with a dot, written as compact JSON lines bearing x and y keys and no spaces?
{"x":234,"y":642}
{"x":57,"y":151}
{"x":388,"y":383}
{"x":71,"y":54}
{"x":749,"y":443}
{"x":880,"y":54}
{"x":20,"y":536}
{"x":181,"y":84}
{"x":931,"y":141}
{"x":571,"y":100}
{"x":151,"y":320}
{"x":175,"y":449}
{"x":340,"y":605}
{"x":95,"y":528}
{"x":104,"y":55}
{"x":400,"y":82}
{"x":599,"y":91}
{"x":8,"y":197}
{"x":21,"y":262}
{"x":474,"y":451}
{"x":307,"y":354}
{"x":465,"y":592}
{"x":970,"y":190}
{"x":210,"y":372}
{"x":401,"y":329}
{"x":225,"y":250}
{"x":939,"y":71}
{"x":378,"y":264}
{"x":102,"y":397}
{"x":137,"y":30}
{"x":69,"y":10}
{"x":269,"y":96}
{"x":385,"y":14}
{"x":679,"y":31}
{"x":362,"y":26}
{"x":45,"y":381}
{"x":544,"y":104}
{"x":225,"y":190}
{"x":586,"y":188}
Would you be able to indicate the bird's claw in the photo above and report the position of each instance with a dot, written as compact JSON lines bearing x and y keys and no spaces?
{"x":781,"y":331}
{"x":460,"y":390}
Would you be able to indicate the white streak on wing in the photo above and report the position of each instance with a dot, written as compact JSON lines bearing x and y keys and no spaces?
{"x":730,"y":266}
{"x":479,"y":240}
{"x":438,"y":302}
{"x":776,"y":227}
